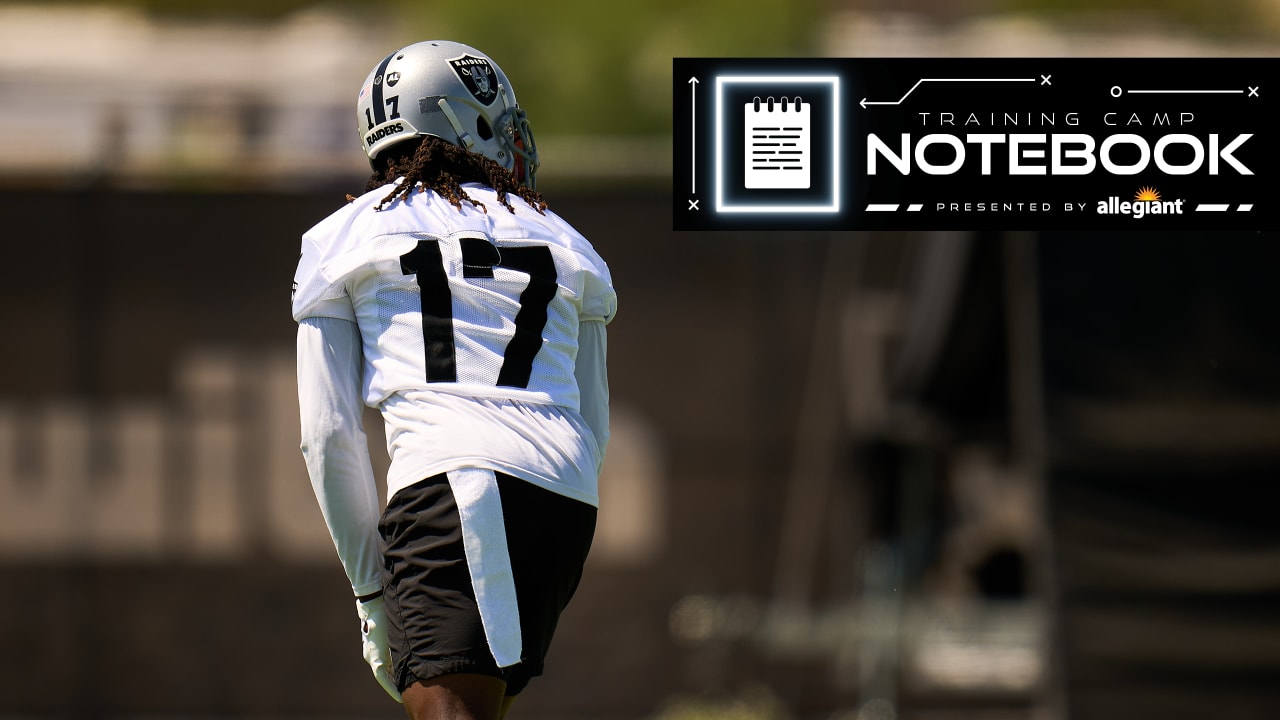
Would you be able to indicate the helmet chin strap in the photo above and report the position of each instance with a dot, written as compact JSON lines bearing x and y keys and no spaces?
{"x":463,"y":136}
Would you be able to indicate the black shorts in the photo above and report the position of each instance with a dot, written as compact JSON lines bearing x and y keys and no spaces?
{"x":521,"y":545}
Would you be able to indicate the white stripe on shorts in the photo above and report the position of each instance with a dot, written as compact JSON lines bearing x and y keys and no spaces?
{"x":484,"y":535}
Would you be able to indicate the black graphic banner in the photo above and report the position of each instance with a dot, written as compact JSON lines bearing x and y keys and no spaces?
{"x":980,"y":144}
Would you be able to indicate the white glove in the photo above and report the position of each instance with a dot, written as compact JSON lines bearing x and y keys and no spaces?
{"x":373,"y":633}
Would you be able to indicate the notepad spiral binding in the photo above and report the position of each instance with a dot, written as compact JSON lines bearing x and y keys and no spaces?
{"x":757,"y":102}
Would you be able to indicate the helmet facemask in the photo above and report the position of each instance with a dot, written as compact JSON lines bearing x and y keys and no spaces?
{"x":522,"y":147}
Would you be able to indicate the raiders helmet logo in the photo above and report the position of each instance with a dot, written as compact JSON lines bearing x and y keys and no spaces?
{"x":478,"y":76}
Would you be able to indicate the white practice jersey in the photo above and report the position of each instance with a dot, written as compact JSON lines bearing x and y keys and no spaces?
{"x":469,"y":324}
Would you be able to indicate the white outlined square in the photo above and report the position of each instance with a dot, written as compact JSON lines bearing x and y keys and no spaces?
{"x":828,"y":205}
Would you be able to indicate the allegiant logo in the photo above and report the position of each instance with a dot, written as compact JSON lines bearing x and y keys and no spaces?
{"x":1145,"y":202}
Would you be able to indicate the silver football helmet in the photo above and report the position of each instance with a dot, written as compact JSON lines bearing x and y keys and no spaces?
{"x":451,"y":91}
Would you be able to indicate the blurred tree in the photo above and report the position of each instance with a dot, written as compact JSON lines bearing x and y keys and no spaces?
{"x":228,"y":9}
{"x":582,"y":67}
{"x":1223,"y":17}
{"x":592,"y":68}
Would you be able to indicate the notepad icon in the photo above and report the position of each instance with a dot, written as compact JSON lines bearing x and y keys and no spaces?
{"x":777,"y":144}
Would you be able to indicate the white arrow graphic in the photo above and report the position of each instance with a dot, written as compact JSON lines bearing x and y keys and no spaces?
{"x":693,"y":144}
{"x":865,"y":102}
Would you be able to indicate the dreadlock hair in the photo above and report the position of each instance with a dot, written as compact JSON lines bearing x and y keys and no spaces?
{"x":431,"y":163}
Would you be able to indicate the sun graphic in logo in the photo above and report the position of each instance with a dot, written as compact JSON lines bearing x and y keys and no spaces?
{"x":1147,"y":194}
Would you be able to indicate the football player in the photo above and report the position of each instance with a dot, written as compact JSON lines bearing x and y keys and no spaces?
{"x":449,"y":297}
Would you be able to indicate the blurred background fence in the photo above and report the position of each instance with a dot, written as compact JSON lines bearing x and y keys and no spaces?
{"x":853,"y":475}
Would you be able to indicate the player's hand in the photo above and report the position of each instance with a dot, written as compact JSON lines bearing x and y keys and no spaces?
{"x":373,"y":633}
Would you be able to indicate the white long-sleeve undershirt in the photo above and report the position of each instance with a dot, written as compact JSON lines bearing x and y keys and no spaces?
{"x":335,"y":447}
